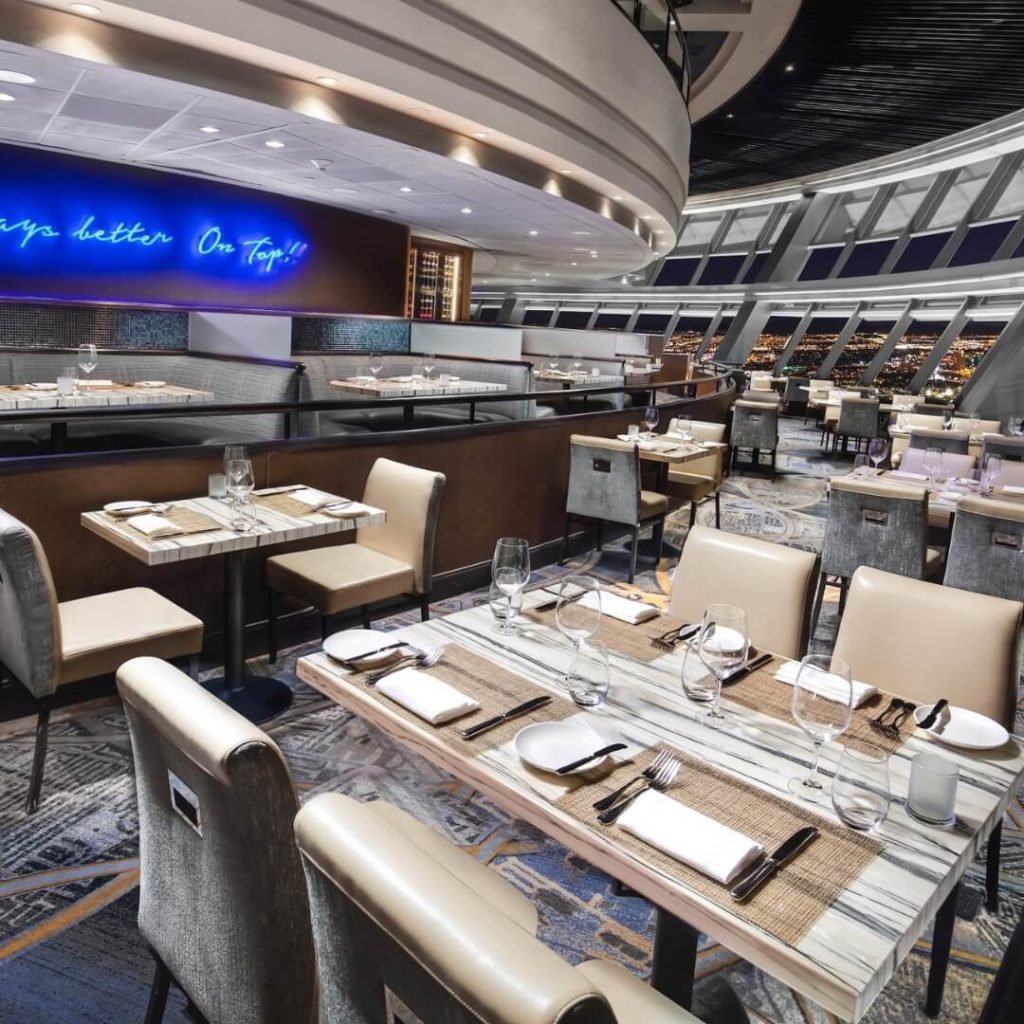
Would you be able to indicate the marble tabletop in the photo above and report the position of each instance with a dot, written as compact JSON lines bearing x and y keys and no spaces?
{"x":20,"y":396}
{"x":272,"y":527}
{"x":852,"y":950}
{"x":422,"y":387}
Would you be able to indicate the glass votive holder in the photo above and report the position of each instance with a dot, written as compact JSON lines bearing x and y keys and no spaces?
{"x":67,"y":380}
{"x":217,"y":485}
{"x":931,"y":797}
{"x":444,"y":379}
{"x":633,"y":430}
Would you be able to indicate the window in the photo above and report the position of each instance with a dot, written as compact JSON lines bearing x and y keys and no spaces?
{"x":612,"y":321}
{"x":774,"y":337}
{"x":1012,"y":199}
{"x":846,"y":215}
{"x":867,"y":258}
{"x":488,"y":314}
{"x":910,"y":352}
{"x":688,"y":335}
{"x":721,"y":269}
{"x":961,"y":196}
{"x":746,"y":226}
{"x":858,"y":352}
{"x":718,"y":336}
{"x":652,"y":323}
{"x":754,"y":270}
{"x":815,"y":345}
{"x":964,"y":357}
{"x":819,"y":262}
{"x":921,"y":251}
{"x":699,"y":229}
{"x":573,"y":318}
{"x":773,"y":237}
{"x":981,"y":242}
{"x":677,"y":271}
{"x":537,"y":317}
{"x":903,"y":205}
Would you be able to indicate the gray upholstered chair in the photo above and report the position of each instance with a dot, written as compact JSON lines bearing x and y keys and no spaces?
{"x":933,"y":409}
{"x":877,"y":523}
{"x":957,"y":442}
{"x":386,"y":561}
{"x":45,"y":644}
{"x":986,"y":549}
{"x":793,"y":395}
{"x":773,"y":583}
{"x":702,"y":478}
{"x":924,"y":642}
{"x":755,"y":427}
{"x":1007,"y":448}
{"x":766,"y":397}
{"x":222,"y":901}
{"x":605,"y":487}
{"x":386,"y":918}
{"x":858,"y":419}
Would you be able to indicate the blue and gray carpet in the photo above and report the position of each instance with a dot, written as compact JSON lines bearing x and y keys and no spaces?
{"x":69,"y":949}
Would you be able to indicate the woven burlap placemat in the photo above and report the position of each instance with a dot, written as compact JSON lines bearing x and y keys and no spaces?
{"x":185,"y":519}
{"x":496,"y":689}
{"x":787,"y":905}
{"x":285,"y":504}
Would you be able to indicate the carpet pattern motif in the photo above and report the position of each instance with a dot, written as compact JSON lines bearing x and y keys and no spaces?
{"x":69,"y":949}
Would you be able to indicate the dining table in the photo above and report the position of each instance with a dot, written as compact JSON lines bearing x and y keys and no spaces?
{"x":834,"y":923}
{"x":208,"y":530}
{"x":668,"y":450}
{"x":416,"y":387}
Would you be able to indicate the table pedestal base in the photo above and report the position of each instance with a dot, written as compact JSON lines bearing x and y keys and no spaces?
{"x":258,"y":698}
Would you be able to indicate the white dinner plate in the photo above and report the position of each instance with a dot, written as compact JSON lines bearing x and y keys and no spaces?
{"x":363,"y":644}
{"x":151,"y":383}
{"x":959,"y":727}
{"x":42,"y":386}
{"x":126,"y":508}
{"x":549,"y":745}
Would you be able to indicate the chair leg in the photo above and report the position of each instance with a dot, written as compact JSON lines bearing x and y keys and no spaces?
{"x":693,"y":512}
{"x":632,"y":554}
{"x":35,"y":784}
{"x":819,"y":598}
{"x":659,"y":539}
{"x":565,"y":540}
{"x":323,"y":627}
{"x":364,"y":614}
{"x":600,"y":535}
{"x":272,"y":613}
{"x":193,"y":667}
{"x":844,"y":585}
{"x":718,"y":510}
{"x":425,"y":607}
{"x":158,"y":994}
{"x":995,"y":842}
{"x":774,"y":454}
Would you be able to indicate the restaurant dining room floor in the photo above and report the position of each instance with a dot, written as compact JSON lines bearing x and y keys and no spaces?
{"x":69,"y":949}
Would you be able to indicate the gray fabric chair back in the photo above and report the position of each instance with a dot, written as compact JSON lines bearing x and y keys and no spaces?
{"x":793,"y":392}
{"x":879,"y":524}
{"x":986,"y":551}
{"x":957,"y":442}
{"x":931,"y":409}
{"x":222,"y":899}
{"x":858,"y":417}
{"x":30,"y":641}
{"x":604,"y":479}
{"x":387,"y":917}
{"x":754,"y":425}
{"x":1011,"y":448}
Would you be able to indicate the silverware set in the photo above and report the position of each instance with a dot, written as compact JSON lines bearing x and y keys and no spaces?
{"x":888,"y":722}
{"x":658,"y":775}
{"x":418,"y":659}
{"x":667,"y":641}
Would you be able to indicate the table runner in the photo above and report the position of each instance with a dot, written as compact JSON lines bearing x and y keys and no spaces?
{"x":787,"y":905}
{"x":496,"y":689}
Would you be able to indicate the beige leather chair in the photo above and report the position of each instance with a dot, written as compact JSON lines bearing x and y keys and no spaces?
{"x":225,"y":908}
{"x":702,"y":478}
{"x":771,"y":582}
{"x":384,"y":562}
{"x":383,"y":916}
{"x":924,"y":641}
{"x":45,"y":644}
{"x":952,"y":464}
{"x":761,"y":380}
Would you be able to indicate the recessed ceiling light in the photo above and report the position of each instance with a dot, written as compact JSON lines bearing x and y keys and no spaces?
{"x":89,"y":10}
{"x":565,"y":170}
{"x":467,"y":209}
{"x":730,"y":116}
{"x":581,"y":232}
{"x":210,"y":129}
{"x":405,"y":188}
{"x":617,"y":199}
{"x":274,"y":144}
{"x":791,"y":67}
{"x":648,"y":216}
{"x":534,"y":231}
{"x":16,"y":78}
{"x":326,"y":80}
{"x":6,"y":97}
{"x":593,"y":255}
{"x":347,"y":191}
{"x":481,"y":135}
{"x":574,"y":264}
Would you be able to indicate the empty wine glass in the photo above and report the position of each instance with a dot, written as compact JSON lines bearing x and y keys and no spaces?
{"x":990,"y":473}
{"x":577,"y":614}
{"x":87,"y":359}
{"x":588,"y":678}
{"x":684,"y":427}
{"x":376,"y":362}
{"x":878,"y":448}
{"x":553,"y":364}
{"x":823,"y":708}
{"x":240,"y":486}
{"x":501,"y":604}
{"x":651,"y":417}
{"x":510,"y":571}
{"x":577,"y":362}
{"x":233,"y":453}
{"x":860,"y":465}
{"x":722,"y":644}
{"x":429,"y":362}
{"x":902,"y":422}
{"x":932,"y":463}
{"x":861,"y":792}
{"x":947,"y":419}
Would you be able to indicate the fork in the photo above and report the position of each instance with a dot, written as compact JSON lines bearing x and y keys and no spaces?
{"x":892,"y":729}
{"x":423,"y":659}
{"x":893,"y":707}
{"x":648,"y":773}
{"x":664,"y":778}
{"x":667,"y":641}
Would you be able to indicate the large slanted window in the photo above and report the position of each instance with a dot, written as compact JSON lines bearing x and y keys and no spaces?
{"x":716,"y":339}
{"x":610,"y":321}
{"x":688,"y":335}
{"x":699,"y":229}
{"x":753,"y":273}
{"x":910,"y":352}
{"x":964,"y":357}
{"x":652,"y":323}
{"x":920,"y":251}
{"x":862,"y":347}
{"x":677,"y":271}
{"x":961,"y":196}
{"x":867,"y":258}
{"x":774,"y":337}
{"x":815,"y":345}
{"x":819,"y":263}
{"x":488,"y":314}
{"x":721,"y":269}
{"x":576,"y":319}
{"x":903,"y":204}
{"x":537,"y":317}
{"x":981,"y":242}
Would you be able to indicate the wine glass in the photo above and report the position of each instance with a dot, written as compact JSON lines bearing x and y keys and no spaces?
{"x":510,"y":571}
{"x":577,"y":362}
{"x":651,"y":417}
{"x":588,"y":679}
{"x":901,"y":422}
{"x":684,"y":427}
{"x":861,"y":793}
{"x":502,"y":605}
{"x":990,"y":473}
{"x":823,"y":708}
{"x":878,"y":448}
{"x":932,"y":463}
{"x":233,"y":453}
{"x":240,"y":486}
{"x":947,"y":419}
{"x":722,"y":645}
{"x":578,"y":617}
{"x":87,"y":359}
{"x":429,"y":362}
{"x":376,"y":364}
{"x":861,"y":465}
{"x":553,"y":364}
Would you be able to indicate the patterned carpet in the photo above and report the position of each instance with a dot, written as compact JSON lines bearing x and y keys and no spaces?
{"x":69,"y":949}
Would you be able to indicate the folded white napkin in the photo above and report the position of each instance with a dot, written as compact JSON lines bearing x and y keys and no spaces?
{"x":95,"y":383}
{"x":687,"y":835}
{"x":350,"y":511}
{"x":621,"y":608}
{"x":432,"y":699}
{"x":861,"y":691}
{"x":314,"y":498}
{"x":151,"y":383}
{"x":153,"y":526}
{"x":1011,"y":489}
{"x":904,"y":474}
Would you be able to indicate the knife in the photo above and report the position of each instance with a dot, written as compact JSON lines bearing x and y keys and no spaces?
{"x":603,"y":752}
{"x":746,"y":668}
{"x":930,"y":719}
{"x":520,"y":709}
{"x":767,"y":868}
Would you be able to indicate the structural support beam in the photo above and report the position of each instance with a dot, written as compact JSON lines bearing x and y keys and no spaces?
{"x":940,"y":348}
{"x":848,"y":331}
{"x":794,"y":341}
{"x":888,"y":346}
{"x":994,"y":390}
{"x":743,"y":332}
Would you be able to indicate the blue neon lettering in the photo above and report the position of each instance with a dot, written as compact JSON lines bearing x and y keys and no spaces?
{"x":211,"y":240}
{"x":136,"y":234}
{"x":29,"y":229}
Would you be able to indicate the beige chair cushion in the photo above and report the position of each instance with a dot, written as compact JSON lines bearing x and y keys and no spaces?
{"x":690,"y":486}
{"x":712,"y":463}
{"x":912,"y":461}
{"x":632,"y":1000}
{"x":338,"y":578}
{"x":771,"y":582}
{"x":652,"y":504}
{"x":924,"y":641}
{"x":100,"y":633}
{"x":484,"y":881}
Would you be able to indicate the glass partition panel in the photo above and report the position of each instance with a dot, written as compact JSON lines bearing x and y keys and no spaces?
{"x":721,"y":269}
{"x":774,"y":337}
{"x":652,"y":323}
{"x":963,"y":359}
{"x":819,"y":263}
{"x":815,"y":345}
{"x":867,"y":258}
{"x":576,"y":319}
{"x":537,"y":317}
{"x":754,"y":270}
{"x":862,"y":347}
{"x":910,"y":352}
{"x":981,"y":242}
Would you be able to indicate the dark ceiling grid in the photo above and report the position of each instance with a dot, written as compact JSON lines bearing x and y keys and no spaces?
{"x":870,"y":78}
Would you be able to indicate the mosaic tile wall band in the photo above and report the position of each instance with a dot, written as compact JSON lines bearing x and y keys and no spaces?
{"x":349,"y":334}
{"x":42,"y":325}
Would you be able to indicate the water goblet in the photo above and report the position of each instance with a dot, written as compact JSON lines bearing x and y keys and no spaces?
{"x":376,"y":363}
{"x":651,"y":417}
{"x":240,"y":487}
{"x":87,"y":359}
{"x":429,"y":362}
{"x":588,"y":678}
{"x":991,"y":471}
{"x":932,"y":463}
{"x":823,"y":708}
{"x":577,"y":618}
{"x":510,"y":571}
{"x":722,"y":644}
{"x":878,"y":449}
